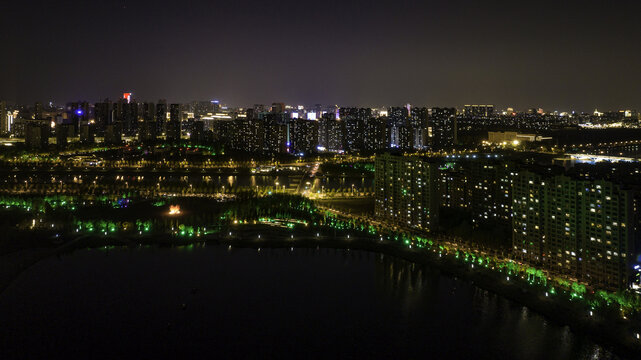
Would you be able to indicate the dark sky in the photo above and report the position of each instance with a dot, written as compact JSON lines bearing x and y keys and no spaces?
{"x":557,"y":55}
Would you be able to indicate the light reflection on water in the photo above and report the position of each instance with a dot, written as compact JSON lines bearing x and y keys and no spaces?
{"x":242,"y":180}
{"x":278,"y":302}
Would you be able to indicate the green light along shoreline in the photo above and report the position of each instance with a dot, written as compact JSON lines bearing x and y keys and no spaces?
{"x":610,"y":319}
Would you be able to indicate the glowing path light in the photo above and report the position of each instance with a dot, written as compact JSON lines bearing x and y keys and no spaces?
{"x":174,"y":210}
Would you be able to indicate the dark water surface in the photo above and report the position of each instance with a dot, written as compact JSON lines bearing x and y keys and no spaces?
{"x":210,"y":302}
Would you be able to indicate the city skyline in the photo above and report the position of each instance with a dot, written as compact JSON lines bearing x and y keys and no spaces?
{"x":319,"y":179}
{"x":295,"y":107}
{"x":526,"y":55}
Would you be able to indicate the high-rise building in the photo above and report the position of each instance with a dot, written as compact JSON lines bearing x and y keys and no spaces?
{"x":87,"y":134}
{"x":147,"y":132}
{"x":161,"y":116}
{"x":63,"y":132}
{"x":375,"y":136}
{"x":418,"y":124}
{"x":148,"y":111}
{"x":406,"y":190}
{"x":275,"y":133}
{"x":278,"y":108}
{"x":480,"y":185}
{"x":215,"y":106}
{"x":38,"y":111}
{"x":441,"y":128}
{"x":478,"y":111}
{"x":330,"y":133}
{"x":222,"y":130}
{"x":353,"y":120}
{"x":5,"y":127}
{"x":197,"y":134}
{"x":174,"y":112}
{"x":304,"y":135}
{"x":400,"y":129}
{"x":129,"y":118}
{"x":77,"y":113}
{"x":104,"y":116}
{"x":248,"y":134}
{"x":584,"y":228}
{"x":36,"y":134}
{"x":113,"y":134}
{"x":174,"y":130}
{"x":174,"y":123}
{"x":126,"y":115}
{"x":204,"y":108}
{"x":258,"y":109}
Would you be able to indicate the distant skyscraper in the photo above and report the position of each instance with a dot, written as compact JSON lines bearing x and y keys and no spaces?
{"x":38,"y":111}
{"x":202,"y":108}
{"x":400,"y":129}
{"x":104,"y":116}
{"x":215,"y":106}
{"x":37,"y":134}
{"x":275,"y":134}
{"x":330,"y":133}
{"x":113,"y":135}
{"x":375,"y":136}
{"x":173,"y":125}
{"x":353,"y":120}
{"x":129,"y":117}
{"x":77,"y":113}
{"x":304,"y":137}
{"x":148,"y":112}
{"x":258,"y":109}
{"x":174,"y":112}
{"x":87,"y":134}
{"x":197,"y":135}
{"x":278,"y":108}
{"x":161,"y":116}
{"x":247,"y":134}
{"x":4,"y":119}
{"x":147,"y":131}
{"x":418,"y":124}
{"x":478,"y":110}
{"x":63,"y":132}
{"x":442,"y":128}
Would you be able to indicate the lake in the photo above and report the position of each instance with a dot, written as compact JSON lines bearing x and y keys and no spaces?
{"x":210,"y":301}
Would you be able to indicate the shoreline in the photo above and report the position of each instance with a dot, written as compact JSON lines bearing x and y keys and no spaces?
{"x":604,"y":334}
{"x":612,"y":335}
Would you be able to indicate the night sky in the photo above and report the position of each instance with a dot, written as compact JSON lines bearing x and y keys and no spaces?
{"x":558,"y":55}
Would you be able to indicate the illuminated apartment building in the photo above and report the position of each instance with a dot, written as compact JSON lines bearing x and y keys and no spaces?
{"x":407,"y":191}
{"x":584,"y":228}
